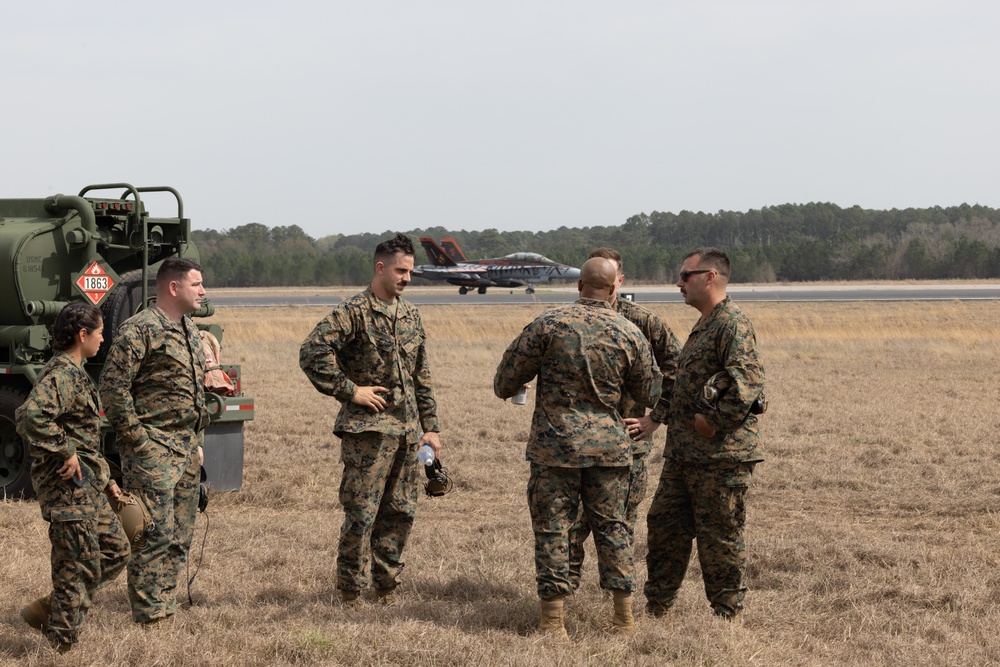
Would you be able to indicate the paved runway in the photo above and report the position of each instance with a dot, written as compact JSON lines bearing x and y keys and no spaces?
{"x":423,"y":296}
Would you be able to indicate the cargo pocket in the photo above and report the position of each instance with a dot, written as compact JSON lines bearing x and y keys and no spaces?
{"x":735,"y":481}
{"x":74,"y":541}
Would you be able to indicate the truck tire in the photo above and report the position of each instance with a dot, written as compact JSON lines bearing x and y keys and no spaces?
{"x":15,"y":462}
{"x":123,"y":302}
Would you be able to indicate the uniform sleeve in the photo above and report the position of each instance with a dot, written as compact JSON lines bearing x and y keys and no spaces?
{"x":643,"y":381}
{"x":426,"y":405}
{"x":520,"y":362}
{"x":666,"y":351}
{"x":120,"y":370}
{"x":318,"y":356}
{"x":37,"y":418}
{"x":738,"y":352}
{"x":201,"y":368}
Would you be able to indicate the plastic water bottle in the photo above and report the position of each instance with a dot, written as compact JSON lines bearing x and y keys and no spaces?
{"x":426,"y":455}
{"x":520,"y":398}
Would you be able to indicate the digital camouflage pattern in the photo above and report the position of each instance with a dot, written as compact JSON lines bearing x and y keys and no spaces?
{"x":580,"y":531}
{"x":724,"y":340}
{"x":61,"y":418}
{"x":368,"y":342}
{"x":167,"y":484}
{"x":152,"y":390}
{"x":585,"y":356}
{"x":704,"y":480}
{"x":379,"y":491}
{"x":666,"y":351}
{"x":87,"y":555}
{"x":152,"y":383}
{"x":555,"y":496}
{"x":703,"y":502}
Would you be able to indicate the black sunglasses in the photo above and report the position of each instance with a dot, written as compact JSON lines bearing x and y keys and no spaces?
{"x":687,"y":274}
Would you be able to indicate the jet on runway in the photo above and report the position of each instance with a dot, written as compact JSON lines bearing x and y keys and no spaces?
{"x":449,"y":263}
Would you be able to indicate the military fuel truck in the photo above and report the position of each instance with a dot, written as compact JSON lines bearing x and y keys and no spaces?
{"x":104,"y":250}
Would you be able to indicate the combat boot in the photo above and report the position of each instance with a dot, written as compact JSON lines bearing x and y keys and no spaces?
{"x":552,"y":622}
{"x":37,"y":613}
{"x":385,"y":596}
{"x":349,"y":598}
{"x":60,"y":647}
{"x":623,"y":620}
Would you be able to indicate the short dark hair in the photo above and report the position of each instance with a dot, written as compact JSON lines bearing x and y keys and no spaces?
{"x":713,"y":257}
{"x":398,"y":243}
{"x":608,"y":253}
{"x":74,"y":316}
{"x":175,"y":268}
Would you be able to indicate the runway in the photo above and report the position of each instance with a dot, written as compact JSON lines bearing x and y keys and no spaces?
{"x":439,"y":296}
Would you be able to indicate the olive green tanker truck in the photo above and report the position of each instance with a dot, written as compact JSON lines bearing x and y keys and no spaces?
{"x":104,"y":250}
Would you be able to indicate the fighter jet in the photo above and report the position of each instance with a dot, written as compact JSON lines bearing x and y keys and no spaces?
{"x":449,"y":263}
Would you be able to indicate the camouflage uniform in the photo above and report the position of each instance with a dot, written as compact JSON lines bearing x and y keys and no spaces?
{"x":153,"y":395}
{"x":666,"y":350}
{"x":369,"y":342}
{"x":585,"y":356}
{"x":704,"y":480}
{"x":61,"y":418}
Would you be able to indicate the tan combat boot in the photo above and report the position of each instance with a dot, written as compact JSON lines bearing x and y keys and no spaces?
{"x":349,"y":598}
{"x":623,"y":620}
{"x":37,"y":613}
{"x":551,"y":622}
{"x":385,"y":596}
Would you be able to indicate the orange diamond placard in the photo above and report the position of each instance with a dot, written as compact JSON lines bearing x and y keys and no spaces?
{"x":95,"y":282}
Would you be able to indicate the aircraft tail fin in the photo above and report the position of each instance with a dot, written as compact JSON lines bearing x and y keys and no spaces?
{"x":450,"y":247}
{"x":435,"y":254}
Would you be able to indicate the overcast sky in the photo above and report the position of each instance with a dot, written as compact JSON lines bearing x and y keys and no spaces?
{"x":346,"y":117}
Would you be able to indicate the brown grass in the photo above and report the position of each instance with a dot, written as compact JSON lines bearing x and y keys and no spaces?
{"x":872,"y":526}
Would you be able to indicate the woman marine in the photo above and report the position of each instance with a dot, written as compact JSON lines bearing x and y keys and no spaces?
{"x":60,"y":421}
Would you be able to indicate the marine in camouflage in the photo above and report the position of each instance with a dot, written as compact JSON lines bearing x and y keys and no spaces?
{"x":61,"y":418}
{"x":152,"y":390}
{"x":723,"y":341}
{"x":370,"y":342}
{"x":704,"y":480}
{"x":666,"y":351}
{"x":366,"y":341}
{"x":586,"y":357}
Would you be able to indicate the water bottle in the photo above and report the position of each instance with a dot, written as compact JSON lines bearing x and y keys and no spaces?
{"x":426,"y":455}
{"x":520,"y":397}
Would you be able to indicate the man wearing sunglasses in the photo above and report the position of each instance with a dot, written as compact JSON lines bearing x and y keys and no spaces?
{"x":710,"y":452}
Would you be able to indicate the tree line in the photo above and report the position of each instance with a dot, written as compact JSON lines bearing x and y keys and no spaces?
{"x":791,"y":242}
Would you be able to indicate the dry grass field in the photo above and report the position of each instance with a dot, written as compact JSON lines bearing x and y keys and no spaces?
{"x":873,"y":528}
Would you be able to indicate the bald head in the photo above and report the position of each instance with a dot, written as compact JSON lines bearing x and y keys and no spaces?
{"x":598,"y":279}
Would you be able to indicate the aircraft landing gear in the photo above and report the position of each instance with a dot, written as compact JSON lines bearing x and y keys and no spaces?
{"x":463,"y":290}
{"x":482,"y":289}
{"x":529,"y":290}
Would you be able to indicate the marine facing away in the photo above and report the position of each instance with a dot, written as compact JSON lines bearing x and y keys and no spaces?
{"x":585,"y":356}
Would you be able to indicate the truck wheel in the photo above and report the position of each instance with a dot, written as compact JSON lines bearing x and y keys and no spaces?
{"x":15,"y":463}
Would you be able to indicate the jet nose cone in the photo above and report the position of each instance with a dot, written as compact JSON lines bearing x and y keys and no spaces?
{"x":573,"y":274}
